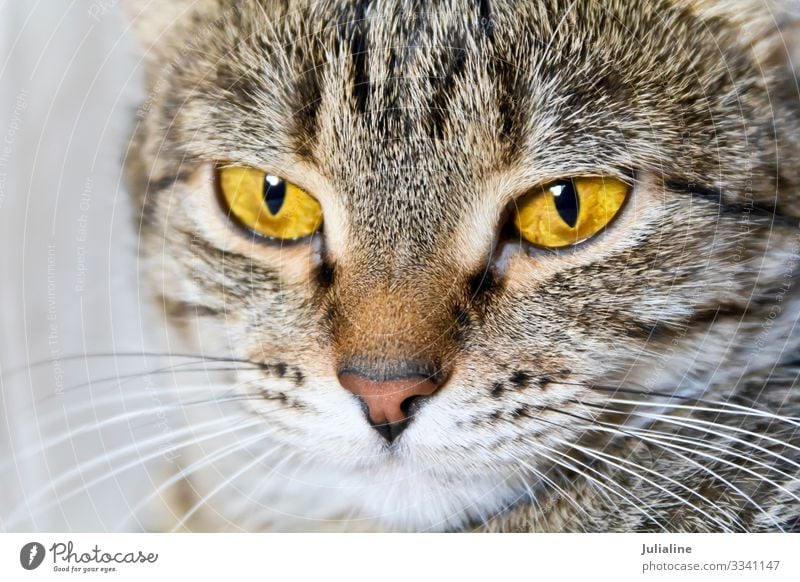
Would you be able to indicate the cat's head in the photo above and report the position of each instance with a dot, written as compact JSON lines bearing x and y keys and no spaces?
{"x":435,"y":162}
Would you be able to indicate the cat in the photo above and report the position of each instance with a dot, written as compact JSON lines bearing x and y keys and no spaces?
{"x":484,"y":266}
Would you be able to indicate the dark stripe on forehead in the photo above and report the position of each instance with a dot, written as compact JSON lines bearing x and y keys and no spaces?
{"x":509,"y":95}
{"x":439,"y":104}
{"x":306,"y":97}
{"x":485,"y":14}
{"x":355,"y":26}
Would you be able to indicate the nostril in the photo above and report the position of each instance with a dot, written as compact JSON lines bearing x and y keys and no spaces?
{"x":364,"y":407}
{"x":388,"y":430}
{"x":389,"y":404}
{"x":385,"y":398}
{"x":412,"y":405}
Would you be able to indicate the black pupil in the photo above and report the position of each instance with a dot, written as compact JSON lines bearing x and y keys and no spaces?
{"x":566,"y":200}
{"x":274,"y":193}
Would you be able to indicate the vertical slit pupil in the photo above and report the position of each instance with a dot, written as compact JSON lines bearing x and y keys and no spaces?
{"x":565,"y":198}
{"x":274,"y":193}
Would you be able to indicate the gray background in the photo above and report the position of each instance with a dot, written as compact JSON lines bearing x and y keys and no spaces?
{"x":69,"y":87}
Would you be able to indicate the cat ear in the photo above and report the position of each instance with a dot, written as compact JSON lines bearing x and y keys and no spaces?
{"x":771,"y":28}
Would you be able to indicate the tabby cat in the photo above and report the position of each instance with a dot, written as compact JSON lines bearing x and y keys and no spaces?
{"x":481,"y":265}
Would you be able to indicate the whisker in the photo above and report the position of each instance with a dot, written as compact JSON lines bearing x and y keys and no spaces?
{"x":734,"y":465}
{"x":116,"y":419}
{"x":651,"y":393}
{"x":614,"y":429}
{"x":552,"y":484}
{"x":126,"y":378}
{"x":134,"y":447}
{"x":713,"y":446}
{"x":73,"y":357}
{"x":264,"y":480}
{"x":618,"y":463}
{"x":531,"y":496}
{"x":220,"y":453}
{"x":745,"y":412}
{"x":701,"y":428}
{"x":593,"y":424}
{"x":248,"y":467}
{"x":125,"y":398}
{"x":624,"y":495}
{"x":668,"y":446}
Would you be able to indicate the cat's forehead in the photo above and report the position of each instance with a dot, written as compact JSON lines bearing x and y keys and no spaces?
{"x":444,"y":93}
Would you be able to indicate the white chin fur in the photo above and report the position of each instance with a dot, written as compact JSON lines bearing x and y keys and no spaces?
{"x":308,"y":495}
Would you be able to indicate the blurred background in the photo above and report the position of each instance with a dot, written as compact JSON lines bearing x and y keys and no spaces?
{"x":69,"y":87}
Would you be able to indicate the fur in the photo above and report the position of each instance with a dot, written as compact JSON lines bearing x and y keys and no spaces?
{"x":643,"y":380}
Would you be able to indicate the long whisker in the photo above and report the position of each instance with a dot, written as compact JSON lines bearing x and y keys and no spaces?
{"x":671,"y":446}
{"x":593,"y":424}
{"x":158,"y":440}
{"x":602,"y":477}
{"x":248,"y":467}
{"x":531,"y":497}
{"x":558,"y":489}
{"x":246,"y":515}
{"x":73,"y":357}
{"x":126,"y":378}
{"x":116,"y":419}
{"x":305,"y":461}
{"x":658,"y":441}
{"x":651,"y":393}
{"x":567,"y":462}
{"x":702,"y":426}
{"x":619,"y":463}
{"x":742,"y":411}
{"x":220,"y":453}
{"x":666,"y":436}
{"x":125,"y":398}
{"x":632,"y":432}
{"x":713,"y":446}
{"x":552,"y":483}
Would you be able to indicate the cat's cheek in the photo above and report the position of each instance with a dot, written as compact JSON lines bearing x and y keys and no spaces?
{"x":320,"y":418}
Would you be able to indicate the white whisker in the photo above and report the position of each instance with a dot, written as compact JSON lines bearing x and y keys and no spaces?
{"x":135,"y":447}
{"x":619,"y":463}
{"x":624,"y":495}
{"x":223,"y":485}
{"x":220,"y":453}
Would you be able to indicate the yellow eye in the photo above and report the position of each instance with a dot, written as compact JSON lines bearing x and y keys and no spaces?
{"x":269,"y":205}
{"x":566,"y":212}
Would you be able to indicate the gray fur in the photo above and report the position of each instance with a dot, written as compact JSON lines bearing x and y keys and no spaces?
{"x":417,"y":124}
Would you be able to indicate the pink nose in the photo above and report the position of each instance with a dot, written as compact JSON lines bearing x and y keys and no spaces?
{"x":388,"y":400}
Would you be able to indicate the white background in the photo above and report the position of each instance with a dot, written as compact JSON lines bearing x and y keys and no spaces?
{"x":404,"y":557}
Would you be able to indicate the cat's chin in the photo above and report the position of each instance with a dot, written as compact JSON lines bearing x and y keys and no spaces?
{"x":399,"y":490}
{"x":416,"y":501}
{"x":392,"y":494}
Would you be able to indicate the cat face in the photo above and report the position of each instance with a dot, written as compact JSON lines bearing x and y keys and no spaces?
{"x":419,"y":130}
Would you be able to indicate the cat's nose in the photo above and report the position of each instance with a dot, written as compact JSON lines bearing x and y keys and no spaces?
{"x":388,"y":401}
